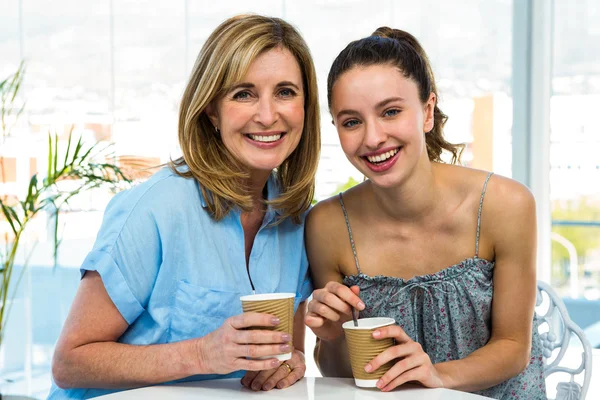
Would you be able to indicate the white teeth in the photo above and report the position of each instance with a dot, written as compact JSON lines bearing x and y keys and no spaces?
{"x":382,"y":157}
{"x":262,"y":138}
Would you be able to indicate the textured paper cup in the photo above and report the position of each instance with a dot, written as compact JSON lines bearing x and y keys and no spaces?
{"x":363,"y":348}
{"x":280,"y":305}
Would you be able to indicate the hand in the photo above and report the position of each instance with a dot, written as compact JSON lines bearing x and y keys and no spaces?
{"x":413,"y":365}
{"x":225,"y":349}
{"x":280,"y":377}
{"x":330,"y":307}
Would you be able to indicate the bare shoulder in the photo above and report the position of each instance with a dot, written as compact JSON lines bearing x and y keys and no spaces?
{"x":322,"y":217}
{"x":506,"y":197}
{"x":501,"y":193}
{"x":327,"y":215}
{"x":508,"y":218}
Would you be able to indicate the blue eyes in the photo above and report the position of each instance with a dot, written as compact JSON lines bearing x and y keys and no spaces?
{"x":246,"y":94}
{"x":287,"y":93}
{"x":241,"y":95}
{"x":352,"y":123}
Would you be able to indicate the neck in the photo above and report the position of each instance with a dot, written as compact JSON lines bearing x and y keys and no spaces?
{"x":256,"y":183}
{"x":412,"y":200}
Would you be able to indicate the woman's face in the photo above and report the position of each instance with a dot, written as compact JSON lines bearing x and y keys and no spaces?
{"x":381,"y":122}
{"x":262,"y":117}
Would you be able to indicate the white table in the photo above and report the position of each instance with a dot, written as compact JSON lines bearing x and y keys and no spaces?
{"x":306,"y":389}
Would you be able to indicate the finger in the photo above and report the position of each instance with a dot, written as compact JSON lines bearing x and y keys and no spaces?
{"x":392,"y":331}
{"x":322,"y":310}
{"x":334,"y":302}
{"x":402,"y":350}
{"x":401,"y":367}
{"x":294,"y":376}
{"x":261,"y":377}
{"x":247,"y":320}
{"x":355,"y":289}
{"x":344,"y":293}
{"x":248,"y":378}
{"x":280,"y":374}
{"x":415,"y":374}
{"x":257,"y":336}
{"x":313,"y":321}
{"x":256,"y":365}
{"x":261,"y":350}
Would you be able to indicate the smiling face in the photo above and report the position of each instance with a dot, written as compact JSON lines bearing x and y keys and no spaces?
{"x":262,"y":117}
{"x":381,"y":122}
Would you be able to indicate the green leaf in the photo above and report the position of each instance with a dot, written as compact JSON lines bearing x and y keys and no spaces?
{"x":55,"y":158}
{"x":68,"y":148}
{"x":6,"y":210}
{"x":49,"y":174}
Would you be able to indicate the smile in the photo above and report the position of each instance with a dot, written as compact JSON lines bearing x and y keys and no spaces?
{"x":265,"y":138}
{"x":383,"y":161}
{"x":379,"y":158}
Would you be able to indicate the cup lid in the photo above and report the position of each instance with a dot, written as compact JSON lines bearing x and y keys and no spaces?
{"x":267,"y":296}
{"x":369,"y":323}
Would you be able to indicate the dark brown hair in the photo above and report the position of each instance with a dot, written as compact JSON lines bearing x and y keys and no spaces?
{"x":402,"y":50}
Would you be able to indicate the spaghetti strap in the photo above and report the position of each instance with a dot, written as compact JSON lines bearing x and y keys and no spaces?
{"x":349,"y":232}
{"x":479,"y":213}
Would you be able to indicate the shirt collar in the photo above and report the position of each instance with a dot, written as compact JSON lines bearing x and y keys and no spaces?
{"x":273,"y":191}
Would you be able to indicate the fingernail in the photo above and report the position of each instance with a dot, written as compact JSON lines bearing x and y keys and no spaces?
{"x":286,"y":337}
{"x":376,"y":333}
{"x":275,"y":363}
{"x":379,"y":384}
{"x":255,"y":386}
{"x":275,"y":321}
{"x":285,"y":347}
{"x":361,"y":305}
{"x":267,"y":387}
{"x":280,"y":385}
{"x":368,"y":368}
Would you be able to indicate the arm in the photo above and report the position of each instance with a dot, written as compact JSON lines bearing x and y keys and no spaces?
{"x":330,"y":306}
{"x":511,"y":228}
{"x":87,"y":354}
{"x":513,"y":231}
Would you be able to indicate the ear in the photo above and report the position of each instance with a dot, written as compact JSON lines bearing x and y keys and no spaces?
{"x":212,"y":114}
{"x":428,"y":121}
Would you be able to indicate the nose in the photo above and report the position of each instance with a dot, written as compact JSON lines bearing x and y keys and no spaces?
{"x":374,"y":135}
{"x":266,"y":114}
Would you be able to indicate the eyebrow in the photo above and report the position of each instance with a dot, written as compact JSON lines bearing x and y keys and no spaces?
{"x":248,"y":85}
{"x":381,"y":104}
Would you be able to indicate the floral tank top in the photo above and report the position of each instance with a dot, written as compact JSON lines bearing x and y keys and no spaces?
{"x":448,"y":313}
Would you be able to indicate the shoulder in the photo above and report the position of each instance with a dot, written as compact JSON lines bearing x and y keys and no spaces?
{"x":159,"y":199}
{"x":507,"y":197}
{"x":508,"y":215}
{"x":162,"y":188}
{"x":325,"y":217}
{"x":499,"y":192}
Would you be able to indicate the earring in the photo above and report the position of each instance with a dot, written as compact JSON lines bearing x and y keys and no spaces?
{"x":217,"y":130}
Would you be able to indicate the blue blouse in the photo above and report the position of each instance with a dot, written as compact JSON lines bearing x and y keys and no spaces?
{"x":174,"y":273}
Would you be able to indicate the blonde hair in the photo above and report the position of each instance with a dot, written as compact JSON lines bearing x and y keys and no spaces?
{"x":222,"y":63}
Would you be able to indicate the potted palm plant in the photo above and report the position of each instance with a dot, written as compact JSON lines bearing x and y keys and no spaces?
{"x":70,"y":172}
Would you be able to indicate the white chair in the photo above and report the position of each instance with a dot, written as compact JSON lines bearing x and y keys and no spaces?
{"x":553,"y":315}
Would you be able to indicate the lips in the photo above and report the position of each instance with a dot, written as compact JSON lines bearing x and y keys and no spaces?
{"x":266,"y":140}
{"x":382,"y":161}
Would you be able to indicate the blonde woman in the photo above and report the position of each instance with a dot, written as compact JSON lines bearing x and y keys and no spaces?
{"x":159,"y":297}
